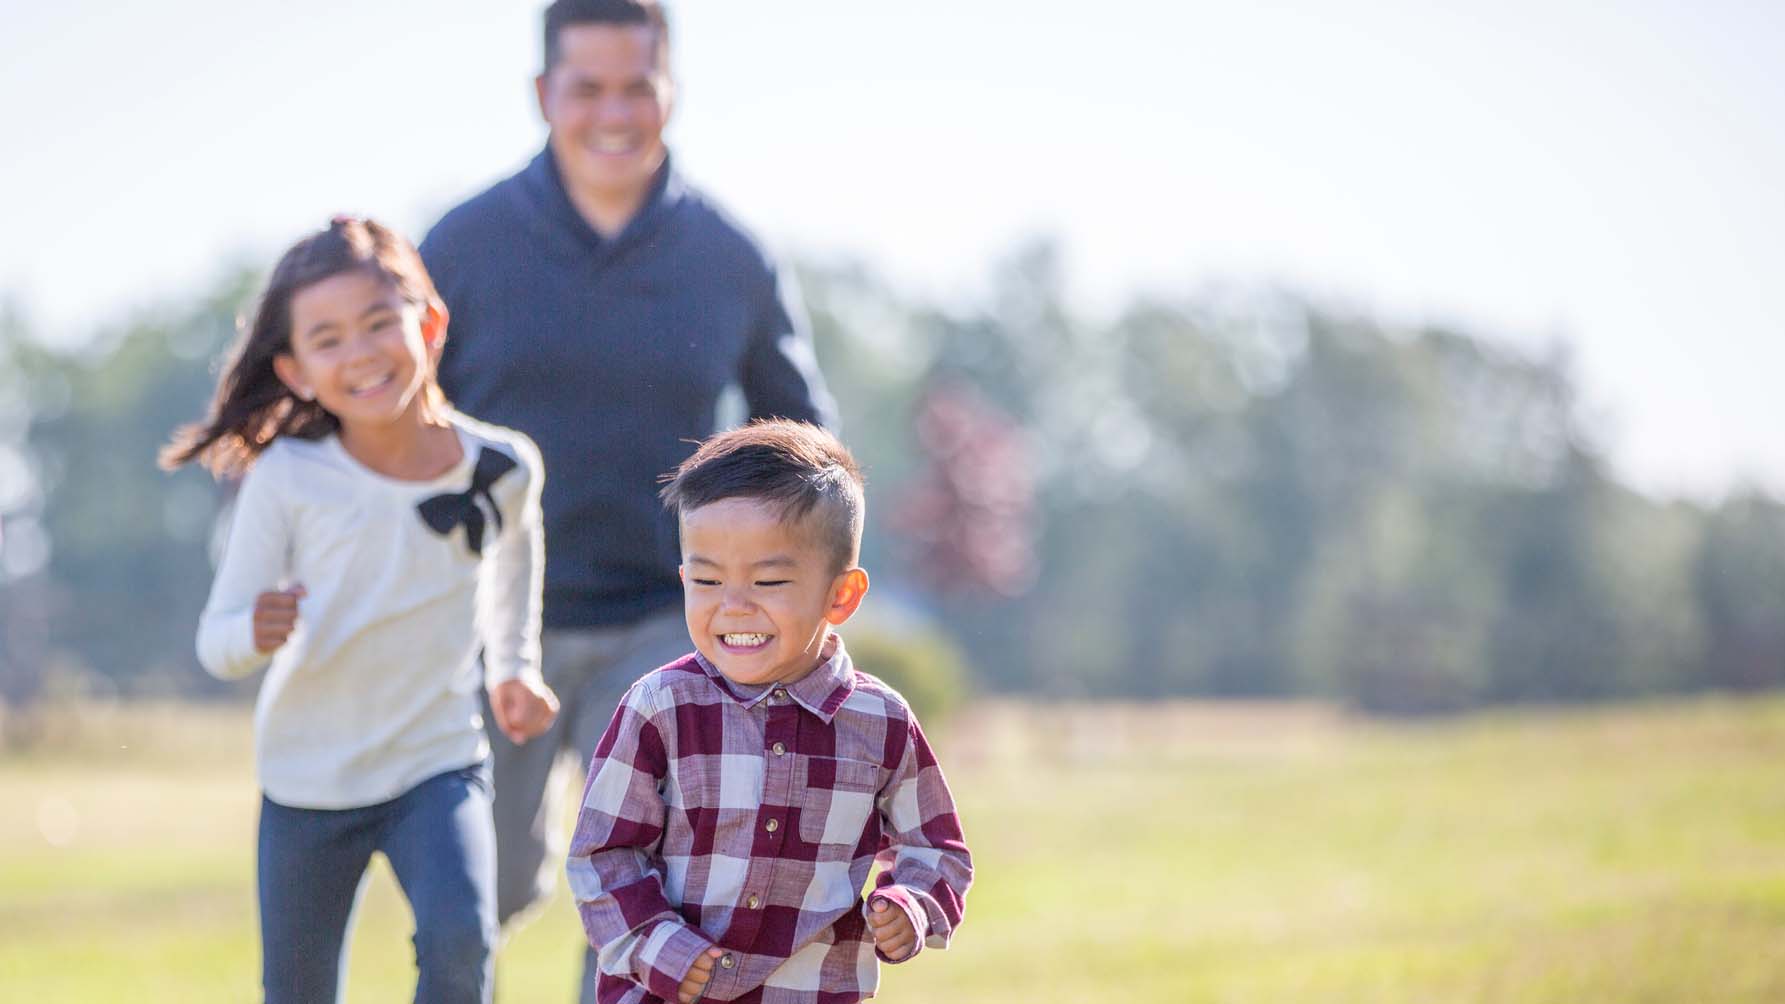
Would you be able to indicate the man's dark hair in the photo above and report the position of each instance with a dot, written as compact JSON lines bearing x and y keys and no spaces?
{"x":794,"y":467}
{"x":569,"y":13}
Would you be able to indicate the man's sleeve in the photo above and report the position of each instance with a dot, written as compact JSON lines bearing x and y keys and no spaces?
{"x":925,"y":868}
{"x":780,"y":376}
{"x":615,"y":870}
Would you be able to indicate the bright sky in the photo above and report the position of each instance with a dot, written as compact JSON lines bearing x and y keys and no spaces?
{"x":1610,"y":177}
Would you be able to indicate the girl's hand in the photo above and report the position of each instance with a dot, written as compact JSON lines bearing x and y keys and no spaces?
{"x":892,"y":930}
{"x":698,"y":975}
{"x":275,"y":615}
{"x":523,"y":709}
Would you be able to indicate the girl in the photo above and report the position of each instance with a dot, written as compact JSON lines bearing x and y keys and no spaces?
{"x":379,"y":540}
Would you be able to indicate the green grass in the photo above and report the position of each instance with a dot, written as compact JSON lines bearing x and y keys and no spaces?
{"x":1185,"y":853}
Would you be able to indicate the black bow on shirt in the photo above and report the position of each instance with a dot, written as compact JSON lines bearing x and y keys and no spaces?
{"x":443,"y":512}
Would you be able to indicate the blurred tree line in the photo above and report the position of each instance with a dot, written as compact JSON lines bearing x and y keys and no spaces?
{"x":1230,"y":493}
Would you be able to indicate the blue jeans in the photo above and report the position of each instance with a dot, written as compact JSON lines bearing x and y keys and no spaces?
{"x":440,"y":841}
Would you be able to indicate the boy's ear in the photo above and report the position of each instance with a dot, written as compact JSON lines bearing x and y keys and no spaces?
{"x":286,"y":369}
{"x":846,"y":595}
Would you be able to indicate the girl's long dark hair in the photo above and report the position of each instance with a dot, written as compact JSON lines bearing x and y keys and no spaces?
{"x":252,"y":407}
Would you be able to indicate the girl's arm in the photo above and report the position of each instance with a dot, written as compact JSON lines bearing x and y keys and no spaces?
{"x":925,"y":868}
{"x":255,"y":559}
{"x":510,"y":595}
{"x":615,"y":871}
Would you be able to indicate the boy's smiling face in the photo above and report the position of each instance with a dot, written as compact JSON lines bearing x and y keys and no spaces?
{"x":760,"y":593}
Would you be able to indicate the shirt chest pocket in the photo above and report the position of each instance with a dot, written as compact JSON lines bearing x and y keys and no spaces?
{"x":837,"y":799}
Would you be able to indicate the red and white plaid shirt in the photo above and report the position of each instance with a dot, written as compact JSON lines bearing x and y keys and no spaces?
{"x":748,"y":818}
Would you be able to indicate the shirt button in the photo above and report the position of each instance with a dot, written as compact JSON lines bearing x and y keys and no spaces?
{"x":753,"y":902}
{"x":780,"y":749}
{"x":726,"y":961}
{"x":780,"y":695}
{"x":772,"y":825}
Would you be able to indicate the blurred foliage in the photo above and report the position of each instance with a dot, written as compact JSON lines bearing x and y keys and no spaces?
{"x":1239,"y":492}
{"x":1234,"y":491}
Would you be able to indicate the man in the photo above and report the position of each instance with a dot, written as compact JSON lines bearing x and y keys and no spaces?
{"x":601,"y":305}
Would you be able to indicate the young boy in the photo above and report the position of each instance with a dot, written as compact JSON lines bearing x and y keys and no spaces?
{"x":741,"y":794}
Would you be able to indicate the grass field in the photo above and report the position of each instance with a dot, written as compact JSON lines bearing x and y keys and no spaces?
{"x":1183,"y":853}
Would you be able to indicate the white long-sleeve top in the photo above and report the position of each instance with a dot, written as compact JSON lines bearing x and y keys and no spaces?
{"x":376,"y":689}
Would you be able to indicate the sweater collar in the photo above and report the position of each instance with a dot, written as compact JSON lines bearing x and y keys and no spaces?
{"x":667,"y":189}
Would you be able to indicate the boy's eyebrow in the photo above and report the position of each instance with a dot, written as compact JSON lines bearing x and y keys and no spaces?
{"x":778,"y":561}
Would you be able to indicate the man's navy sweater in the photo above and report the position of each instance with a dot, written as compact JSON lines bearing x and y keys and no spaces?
{"x":612,"y":355}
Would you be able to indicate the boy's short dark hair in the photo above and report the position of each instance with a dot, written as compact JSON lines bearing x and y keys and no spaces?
{"x":795,"y":467}
{"x":567,"y":13}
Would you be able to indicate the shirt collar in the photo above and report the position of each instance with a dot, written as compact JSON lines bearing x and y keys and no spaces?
{"x":821,"y":691}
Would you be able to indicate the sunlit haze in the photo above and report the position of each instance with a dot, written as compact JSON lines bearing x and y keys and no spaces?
{"x":1603,"y":178}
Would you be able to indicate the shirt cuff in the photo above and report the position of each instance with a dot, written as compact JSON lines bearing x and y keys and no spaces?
{"x":901,"y":898}
{"x":497,"y":670}
{"x":665,"y":968}
{"x":226,"y":646}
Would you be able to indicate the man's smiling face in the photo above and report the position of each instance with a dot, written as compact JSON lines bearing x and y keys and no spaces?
{"x":607,"y":97}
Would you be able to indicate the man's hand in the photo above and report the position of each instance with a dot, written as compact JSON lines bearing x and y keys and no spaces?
{"x":893,"y":933}
{"x":523,"y":709}
{"x":275,"y":616}
{"x":698,"y":975}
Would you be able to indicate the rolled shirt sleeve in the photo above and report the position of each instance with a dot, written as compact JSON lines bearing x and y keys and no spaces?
{"x":925,"y":867}
{"x":614,"y":874}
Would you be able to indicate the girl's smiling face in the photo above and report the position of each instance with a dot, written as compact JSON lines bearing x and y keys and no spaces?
{"x":761,"y":594}
{"x":360,"y":350}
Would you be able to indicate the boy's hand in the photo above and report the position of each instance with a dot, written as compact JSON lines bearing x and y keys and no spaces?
{"x":893,"y":933}
{"x":523,"y":709}
{"x":698,"y":975}
{"x":275,"y":616}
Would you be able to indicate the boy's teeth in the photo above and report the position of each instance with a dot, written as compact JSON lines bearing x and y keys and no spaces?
{"x":744,"y":640}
